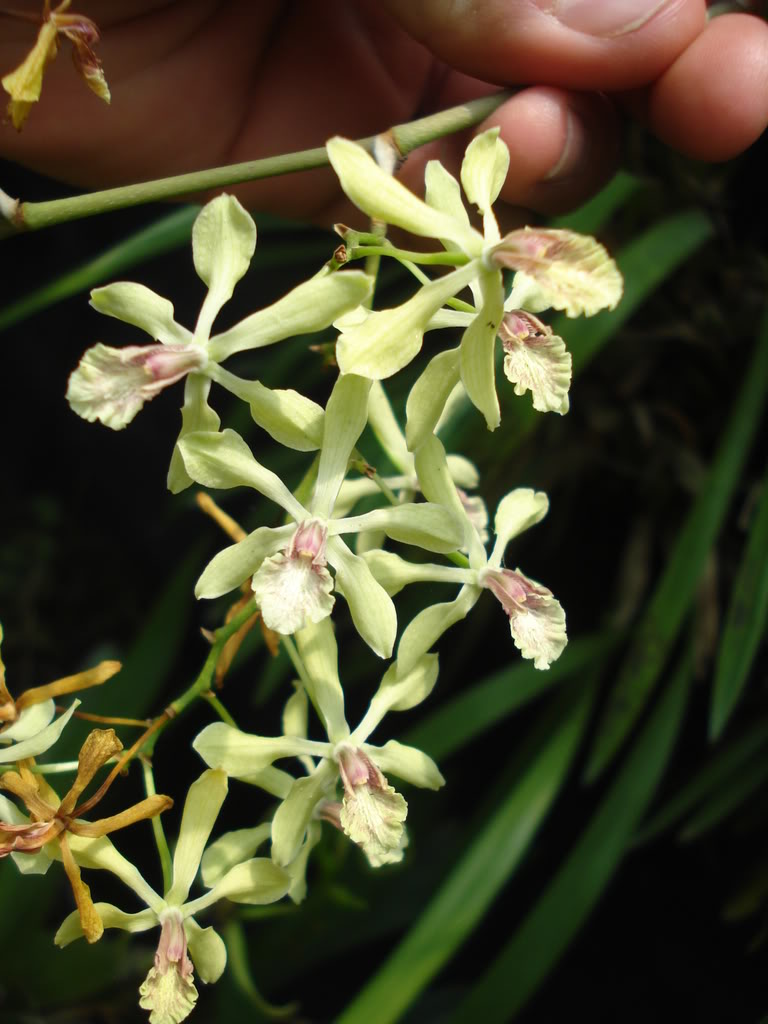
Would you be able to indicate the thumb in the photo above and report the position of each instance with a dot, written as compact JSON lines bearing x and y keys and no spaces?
{"x":577,"y":44}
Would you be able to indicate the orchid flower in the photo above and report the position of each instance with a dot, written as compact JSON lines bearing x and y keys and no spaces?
{"x":112,"y":384}
{"x":169,"y":990}
{"x":571,"y":272}
{"x":371,"y":812}
{"x":288,"y":563}
{"x":53,"y":824}
{"x":25,"y":82}
{"x":536,"y":618}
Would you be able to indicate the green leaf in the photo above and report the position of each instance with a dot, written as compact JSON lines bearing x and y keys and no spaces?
{"x":745,"y":622}
{"x":715,"y":772}
{"x":733,"y":792}
{"x":238,"y":963}
{"x":471,"y":887}
{"x":461,"y":720}
{"x":536,"y":946}
{"x":676,"y":589}
{"x":591,"y":217}
{"x":164,"y":235}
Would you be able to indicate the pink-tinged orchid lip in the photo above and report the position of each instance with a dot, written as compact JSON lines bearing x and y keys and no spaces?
{"x":112,"y":384}
{"x":294,"y":587}
{"x":169,"y":989}
{"x":372,"y":812}
{"x":536,"y":618}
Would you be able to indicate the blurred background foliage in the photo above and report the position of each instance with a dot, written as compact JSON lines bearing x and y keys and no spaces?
{"x":601,"y":842}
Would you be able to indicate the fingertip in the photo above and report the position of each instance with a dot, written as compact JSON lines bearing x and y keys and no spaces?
{"x":563,"y":147}
{"x":712,"y":103}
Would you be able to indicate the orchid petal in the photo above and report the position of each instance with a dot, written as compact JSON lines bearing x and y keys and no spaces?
{"x":102,"y":854}
{"x":394,"y":572}
{"x":407,"y":763}
{"x":240,"y":754}
{"x":442,"y":193}
{"x":31,"y":721}
{"x":517,"y":511}
{"x":138,"y":305}
{"x":257,"y":881}
{"x":292,"y":592}
{"x":232,"y":566}
{"x":398,"y":693}
{"x":310,"y":307}
{"x":425,"y":525}
{"x":196,"y":415}
{"x":477,"y":351}
{"x":224,"y":460}
{"x":574,"y":272}
{"x":320,"y":654}
{"x":383,"y":197}
{"x":223,"y":243}
{"x":40,"y":742}
{"x":389,"y":339}
{"x":372,"y":610}
{"x":429,"y":625}
{"x":201,"y":808}
{"x":207,"y":949}
{"x":111,"y":916}
{"x":230,"y":849}
{"x":346,"y":414}
{"x":293,"y":816}
{"x":483,"y":173}
{"x":536,"y":360}
{"x":536,"y":618}
{"x":437,"y":486}
{"x":428,"y":396}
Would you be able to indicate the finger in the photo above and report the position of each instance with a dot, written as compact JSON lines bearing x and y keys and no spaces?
{"x":563,"y":147}
{"x":713,"y":101}
{"x":576,"y":44}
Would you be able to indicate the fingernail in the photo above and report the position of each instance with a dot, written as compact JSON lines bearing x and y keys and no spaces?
{"x":573,"y":149}
{"x":603,"y":17}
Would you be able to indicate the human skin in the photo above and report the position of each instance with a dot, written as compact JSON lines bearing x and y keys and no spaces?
{"x":199,"y":83}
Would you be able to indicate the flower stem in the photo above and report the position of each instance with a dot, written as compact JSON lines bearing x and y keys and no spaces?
{"x":406,"y":137}
{"x":219,"y":708}
{"x":290,"y":649}
{"x":443,"y":259}
{"x":145,"y":744}
{"x":157,"y":827}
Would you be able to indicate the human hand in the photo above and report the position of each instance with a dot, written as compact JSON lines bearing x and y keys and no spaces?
{"x":202,"y":83}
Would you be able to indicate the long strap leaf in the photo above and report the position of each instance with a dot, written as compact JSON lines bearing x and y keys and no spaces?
{"x":674,"y":594}
{"x":546,"y":932}
{"x":745,"y":622}
{"x":476,"y":879}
